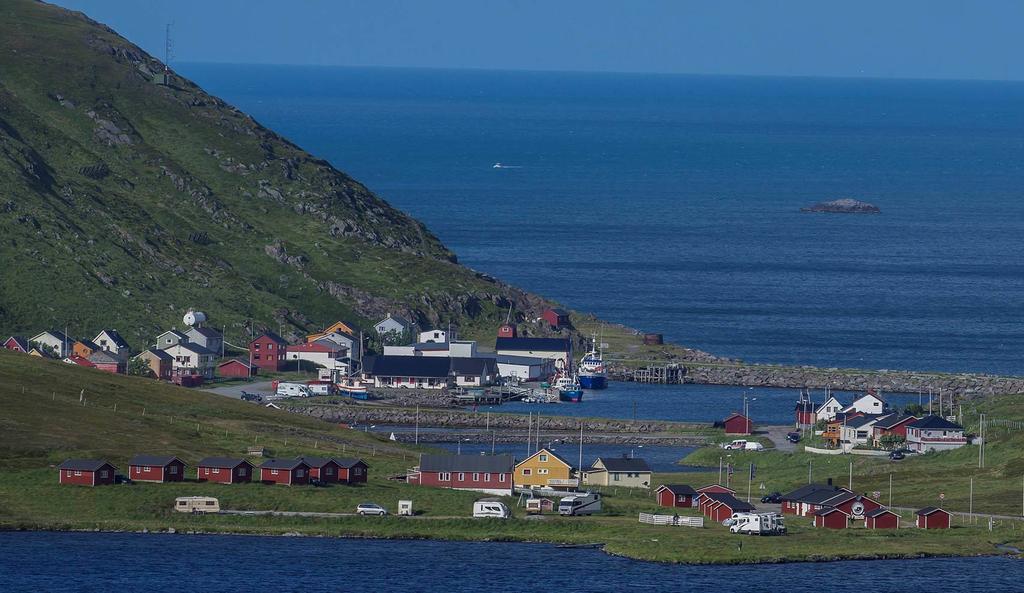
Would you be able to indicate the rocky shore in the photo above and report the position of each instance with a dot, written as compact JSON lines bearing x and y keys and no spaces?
{"x":964,"y":385}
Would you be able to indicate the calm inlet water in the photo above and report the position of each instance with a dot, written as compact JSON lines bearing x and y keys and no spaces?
{"x":670,"y":203}
{"x":111,"y":562}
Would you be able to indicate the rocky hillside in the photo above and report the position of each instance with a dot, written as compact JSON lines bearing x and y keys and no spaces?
{"x":128,"y":194}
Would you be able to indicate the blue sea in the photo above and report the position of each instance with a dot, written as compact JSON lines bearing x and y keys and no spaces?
{"x":66,"y":562}
{"x":671,"y":203}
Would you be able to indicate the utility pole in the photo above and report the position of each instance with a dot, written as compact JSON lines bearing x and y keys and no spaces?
{"x":890,"y":489}
{"x":417,"y":430}
{"x":970,"y":508}
{"x":808,"y":471}
{"x":719,"y":470}
{"x":851,"y":476}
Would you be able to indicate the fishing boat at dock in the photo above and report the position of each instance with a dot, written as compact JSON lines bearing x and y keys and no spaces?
{"x":569,"y":389}
{"x":592,"y":374}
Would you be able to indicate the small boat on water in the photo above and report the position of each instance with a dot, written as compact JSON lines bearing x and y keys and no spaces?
{"x":592,"y":373}
{"x":569,"y":389}
{"x":501,"y":166}
{"x":353,"y":389}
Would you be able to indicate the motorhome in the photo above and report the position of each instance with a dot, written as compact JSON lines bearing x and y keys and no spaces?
{"x":196,"y":504}
{"x":757,"y":524}
{"x":293,"y":390}
{"x":491,"y":508}
{"x":580,"y":504}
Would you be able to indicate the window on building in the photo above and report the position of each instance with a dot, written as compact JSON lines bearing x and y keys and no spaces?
{"x":78,"y":473}
{"x":444,"y":477}
{"x":241,"y":471}
{"x":462,"y":476}
{"x":543,"y":458}
{"x":103,"y":473}
{"x":300,"y":472}
{"x":216,"y":470}
{"x":357,"y":471}
{"x":206,"y":471}
{"x":616,"y":477}
{"x":328,"y":471}
{"x":542,"y":471}
{"x":527,"y":471}
{"x":487,"y":477}
{"x":501,"y":477}
{"x":173,"y":470}
{"x":273,"y":472}
{"x":146,"y":468}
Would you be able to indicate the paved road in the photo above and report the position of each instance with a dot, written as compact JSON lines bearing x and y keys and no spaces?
{"x":777,"y":434}
{"x":235,"y":389}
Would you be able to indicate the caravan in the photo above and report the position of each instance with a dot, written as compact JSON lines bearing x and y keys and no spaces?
{"x":292,"y":390}
{"x":757,"y":524}
{"x":491,"y":508}
{"x":580,"y":504}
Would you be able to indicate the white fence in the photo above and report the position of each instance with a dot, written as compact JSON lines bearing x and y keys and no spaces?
{"x":675,"y":520}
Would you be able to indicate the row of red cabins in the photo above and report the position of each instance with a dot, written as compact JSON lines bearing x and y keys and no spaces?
{"x":222,"y":470}
{"x":831,"y":507}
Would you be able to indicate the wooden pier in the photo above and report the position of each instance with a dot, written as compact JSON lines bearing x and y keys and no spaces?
{"x":671,"y":374}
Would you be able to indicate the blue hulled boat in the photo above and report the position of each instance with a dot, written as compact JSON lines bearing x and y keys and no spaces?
{"x":591,"y":370}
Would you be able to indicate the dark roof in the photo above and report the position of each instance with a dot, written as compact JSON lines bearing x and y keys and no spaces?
{"x":177,"y":333}
{"x":474,"y":366}
{"x":157,"y":353}
{"x":862,"y":420}
{"x":828,"y":496}
{"x":624,"y":464}
{"x":930,"y":510}
{"x":272,"y":337}
{"x":892,"y":420}
{"x":221,"y":462}
{"x":103,"y":357}
{"x":679,"y":489}
{"x":525,"y":344}
{"x":934,"y":423}
{"x":736,"y":415}
{"x":195,"y":348}
{"x":20,"y":340}
{"x":155,"y":460}
{"x":512,"y":359}
{"x":88,"y":465}
{"x":401,"y":320}
{"x":829,"y":510}
{"x":813,"y":493}
{"x":878,"y":511}
{"x":502,"y":463}
{"x":57,"y":334}
{"x":407,"y":366}
{"x":728,"y":499}
{"x":288,"y":464}
{"x":316,"y":461}
{"x":349,"y":462}
{"x":89,"y":344}
{"x":204,"y":331}
{"x":115,"y":337}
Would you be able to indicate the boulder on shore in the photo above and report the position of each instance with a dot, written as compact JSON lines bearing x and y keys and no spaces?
{"x":844,"y":206}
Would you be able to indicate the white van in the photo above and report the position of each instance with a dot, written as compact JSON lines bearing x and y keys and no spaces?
{"x":753,"y":446}
{"x":293,"y":390}
{"x":738,"y":444}
{"x":491,"y":508}
{"x":758,"y":524}
{"x":587,"y":503}
{"x":196,"y":504}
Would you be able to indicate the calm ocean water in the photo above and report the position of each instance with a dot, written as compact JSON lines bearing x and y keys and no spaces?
{"x":65,"y":562}
{"x":670,"y":203}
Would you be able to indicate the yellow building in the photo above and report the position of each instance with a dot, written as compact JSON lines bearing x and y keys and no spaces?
{"x":545,"y":469}
{"x":83,"y":348}
{"x":337,"y":327}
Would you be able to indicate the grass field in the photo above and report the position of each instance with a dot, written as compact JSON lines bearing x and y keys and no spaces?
{"x":44,"y":422}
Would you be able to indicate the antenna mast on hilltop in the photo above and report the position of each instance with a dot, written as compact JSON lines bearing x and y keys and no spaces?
{"x":168,"y":47}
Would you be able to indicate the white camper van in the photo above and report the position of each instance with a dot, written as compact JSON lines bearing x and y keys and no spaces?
{"x":293,"y":390}
{"x":196,"y":504}
{"x":580,"y":504}
{"x":491,"y":508}
{"x":758,"y":524}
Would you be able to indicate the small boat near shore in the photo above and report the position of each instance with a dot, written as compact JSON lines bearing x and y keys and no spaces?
{"x":592,"y":373}
{"x":569,"y":389}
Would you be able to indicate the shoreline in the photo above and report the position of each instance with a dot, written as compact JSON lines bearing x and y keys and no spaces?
{"x":600,"y":546}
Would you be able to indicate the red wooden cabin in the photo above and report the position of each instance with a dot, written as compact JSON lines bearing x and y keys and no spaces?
{"x":738,"y":424}
{"x":831,"y":518}
{"x":86,"y":472}
{"x":881,"y":519}
{"x":156,"y":468}
{"x":933,"y":518}
{"x":284,"y":471}
{"x":224,"y":470}
{"x":675,"y":495}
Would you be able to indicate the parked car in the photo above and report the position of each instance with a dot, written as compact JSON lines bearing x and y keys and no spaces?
{"x":793,"y":437}
{"x":251,"y":397}
{"x":906,"y":451}
{"x":122,"y":479}
{"x":738,"y":444}
{"x":753,"y":446}
{"x":369,"y":508}
{"x":773,"y":498}
{"x":896,"y":455}
{"x":317,"y":483}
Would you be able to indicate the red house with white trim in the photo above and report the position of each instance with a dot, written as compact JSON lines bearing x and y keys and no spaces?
{"x":224,"y":470}
{"x":556,"y":318}
{"x":933,"y":518}
{"x":287,"y":472}
{"x":739,"y":424}
{"x":675,"y":495}
{"x":324,"y":469}
{"x":720,"y":506}
{"x":86,"y":472}
{"x":881,"y":519}
{"x":268,"y":351}
{"x":491,"y":474}
{"x":352,"y":470}
{"x":156,"y":468}
{"x":17,"y":344}
{"x":831,"y":518}
{"x":236,"y":368}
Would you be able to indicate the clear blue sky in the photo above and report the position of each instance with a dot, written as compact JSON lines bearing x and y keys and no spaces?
{"x":876,"y":38}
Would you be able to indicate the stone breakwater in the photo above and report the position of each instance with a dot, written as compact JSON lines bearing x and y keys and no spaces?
{"x":965,"y":385}
{"x":356,"y":414}
{"x":506,"y":436}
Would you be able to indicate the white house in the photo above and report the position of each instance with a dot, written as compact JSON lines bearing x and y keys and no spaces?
{"x":434,"y":335}
{"x":192,"y":359}
{"x":325,"y":354}
{"x":57,"y":340}
{"x":869,"y":403}
{"x":556,"y":349}
{"x":525,"y":368}
{"x":110,"y":341}
{"x":392,"y":324}
{"x":343,"y":340}
{"x":457,"y":349}
{"x":934,"y":433}
{"x":858,"y":431}
{"x":828,"y":410}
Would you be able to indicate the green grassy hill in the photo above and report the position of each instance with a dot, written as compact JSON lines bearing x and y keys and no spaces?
{"x":123,"y":202}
